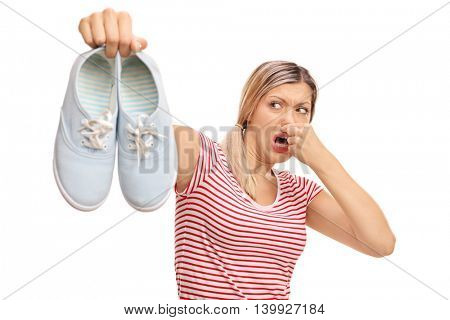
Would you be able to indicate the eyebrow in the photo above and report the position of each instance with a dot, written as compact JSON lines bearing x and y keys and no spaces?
{"x":299,"y":104}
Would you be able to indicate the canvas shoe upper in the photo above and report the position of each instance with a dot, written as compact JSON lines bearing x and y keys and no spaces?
{"x":85,"y":144}
{"x":147,"y":154}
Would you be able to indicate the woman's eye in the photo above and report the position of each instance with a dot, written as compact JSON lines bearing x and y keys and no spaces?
{"x":305,"y":110}
{"x":274,"y":103}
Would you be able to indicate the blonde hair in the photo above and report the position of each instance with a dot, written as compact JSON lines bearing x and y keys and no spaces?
{"x":264,"y":78}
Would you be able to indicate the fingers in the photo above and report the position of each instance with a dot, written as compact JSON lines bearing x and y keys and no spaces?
{"x":138,"y":44}
{"x":111,"y":32}
{"x":294,"y":140}
{"x":124,"y":20}
{"x":295,"y":129}
{"x":287,"y":128}
{"x":97,"y":29}
{"x":290,"y":129}
{"x":112,"y":29}
{"x":135,"y":45}
{"x":85,"y":31}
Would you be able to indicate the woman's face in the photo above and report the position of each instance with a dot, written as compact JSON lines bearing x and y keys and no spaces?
{"x":287,"y":103}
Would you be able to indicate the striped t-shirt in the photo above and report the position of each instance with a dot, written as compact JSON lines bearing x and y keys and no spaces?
{"x":227,"y":246}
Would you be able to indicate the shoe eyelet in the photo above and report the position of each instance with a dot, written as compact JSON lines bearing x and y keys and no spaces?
{"x":105,"y":147}
{"x":129,"y":146}
{"x":82,"y":142}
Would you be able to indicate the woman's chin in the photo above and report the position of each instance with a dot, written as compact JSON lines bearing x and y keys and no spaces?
{"x":278,"y":157}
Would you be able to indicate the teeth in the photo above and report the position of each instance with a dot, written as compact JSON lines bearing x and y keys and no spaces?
{"x":281,"y":140}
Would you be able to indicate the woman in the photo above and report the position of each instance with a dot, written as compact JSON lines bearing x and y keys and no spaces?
{"x":239,"y":223}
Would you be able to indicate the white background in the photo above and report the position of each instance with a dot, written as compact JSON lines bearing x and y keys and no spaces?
{"x":386,"y":120}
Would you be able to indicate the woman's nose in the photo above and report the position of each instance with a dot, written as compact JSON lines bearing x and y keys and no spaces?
{"x":287,"y":117}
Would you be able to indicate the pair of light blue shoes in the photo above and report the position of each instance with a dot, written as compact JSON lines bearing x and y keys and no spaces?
{"x":109,"y":102}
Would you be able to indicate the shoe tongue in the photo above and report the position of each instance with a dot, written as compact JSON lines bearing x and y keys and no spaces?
{"x":113,"y":98}
{"x":143,"y":118}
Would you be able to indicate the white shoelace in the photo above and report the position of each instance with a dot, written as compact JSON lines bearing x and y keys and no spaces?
{"x":136,"y":135}
{"x":96,"y":130}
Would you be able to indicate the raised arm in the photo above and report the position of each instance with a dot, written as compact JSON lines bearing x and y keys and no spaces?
{"x":114,"y":30}
{"x":188,"y":146}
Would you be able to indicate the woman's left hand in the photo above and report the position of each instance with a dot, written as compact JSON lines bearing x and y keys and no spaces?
{"x":303,"y":142}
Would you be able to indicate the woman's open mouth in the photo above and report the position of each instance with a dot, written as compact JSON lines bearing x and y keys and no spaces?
{"x":280,"y":143}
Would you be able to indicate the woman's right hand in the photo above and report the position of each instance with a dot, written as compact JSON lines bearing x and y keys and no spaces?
{"x":112,"y":29}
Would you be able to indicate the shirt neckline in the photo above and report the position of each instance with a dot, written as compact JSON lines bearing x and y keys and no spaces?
{"x":250,"y":199}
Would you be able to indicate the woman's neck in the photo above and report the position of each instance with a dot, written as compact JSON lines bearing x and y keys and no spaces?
{"x":254,"y":160}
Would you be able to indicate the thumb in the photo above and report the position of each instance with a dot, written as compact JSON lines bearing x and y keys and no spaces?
{"x":138,"y":44}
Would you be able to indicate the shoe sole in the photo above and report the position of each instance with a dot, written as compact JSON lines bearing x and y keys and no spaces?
{"x":156,"y":206}
{"x":68,"y":198}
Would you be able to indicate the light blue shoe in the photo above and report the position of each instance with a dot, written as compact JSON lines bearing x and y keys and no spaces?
{"x":85,"y":145}
{"x":147,"y":154}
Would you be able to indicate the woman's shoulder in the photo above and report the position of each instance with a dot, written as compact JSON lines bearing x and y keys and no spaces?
{"x":285,"y":174}
{"x":300,"y":180}
{"x":208,"y":145}
{"x":199,"y":152}
{"x":287,"y":178}
{"x":193,"y":139}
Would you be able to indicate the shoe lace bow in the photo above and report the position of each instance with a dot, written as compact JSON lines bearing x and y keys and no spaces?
{"x":137,"y":135}
{"x":96,"y":130}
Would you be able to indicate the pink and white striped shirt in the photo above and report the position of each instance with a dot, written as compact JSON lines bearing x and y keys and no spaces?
{"x":227,"y":246}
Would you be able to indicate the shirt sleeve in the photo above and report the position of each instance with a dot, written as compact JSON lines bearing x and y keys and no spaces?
{"x":203,"y":166}
{"x":310,"y":188}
